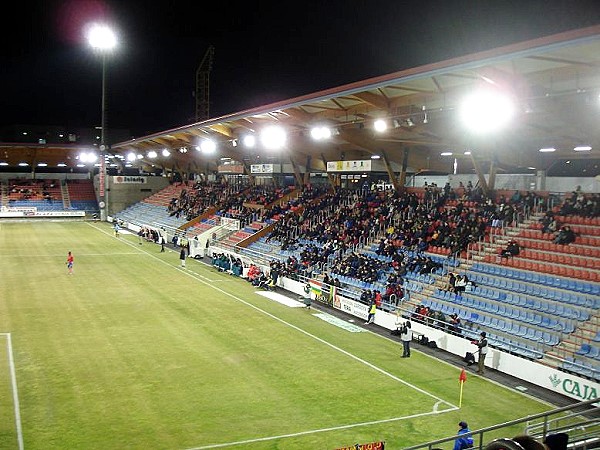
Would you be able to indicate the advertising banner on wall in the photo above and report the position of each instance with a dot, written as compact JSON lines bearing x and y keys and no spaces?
{"x":350,"y":306}
{"x":265,"y":168}
{"x":231,"y":168}
{"x":349,"y":166}
{"x":129,"y":180}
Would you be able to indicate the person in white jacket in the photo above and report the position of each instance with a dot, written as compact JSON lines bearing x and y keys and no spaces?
{"x":406,"y":336}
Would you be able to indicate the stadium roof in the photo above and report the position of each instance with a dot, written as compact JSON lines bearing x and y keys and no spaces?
{"x":554,"y":81}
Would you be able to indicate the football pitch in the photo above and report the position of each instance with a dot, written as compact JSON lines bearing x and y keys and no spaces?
{"x":134,"y":352}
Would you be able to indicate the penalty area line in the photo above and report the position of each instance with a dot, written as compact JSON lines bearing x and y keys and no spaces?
{"x":322,"y":430}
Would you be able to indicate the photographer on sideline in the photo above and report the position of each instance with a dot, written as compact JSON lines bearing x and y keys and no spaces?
{"x":406,"y":338}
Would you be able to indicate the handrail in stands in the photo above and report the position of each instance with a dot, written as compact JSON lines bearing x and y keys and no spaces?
{"x":588,"y":408}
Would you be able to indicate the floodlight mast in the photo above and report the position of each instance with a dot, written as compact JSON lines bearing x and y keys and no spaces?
{"x":103,"y":39}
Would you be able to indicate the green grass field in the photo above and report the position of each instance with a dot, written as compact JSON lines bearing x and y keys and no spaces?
{"x":132,"y":352}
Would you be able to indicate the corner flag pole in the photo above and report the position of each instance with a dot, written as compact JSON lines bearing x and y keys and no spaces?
{"x":462,"y":378}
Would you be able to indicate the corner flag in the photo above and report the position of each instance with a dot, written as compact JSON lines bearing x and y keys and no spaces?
{"x":462,"y":378}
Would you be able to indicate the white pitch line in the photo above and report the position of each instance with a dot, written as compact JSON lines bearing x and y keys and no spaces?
{"x":62,"y":255}
{"x":319,"y":430}
{"x":15,"y":392}
{"x":474,"y":374}
{"x":350,"y":355}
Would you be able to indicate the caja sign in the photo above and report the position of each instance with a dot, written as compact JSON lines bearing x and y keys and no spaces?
{"x":574,"y":388}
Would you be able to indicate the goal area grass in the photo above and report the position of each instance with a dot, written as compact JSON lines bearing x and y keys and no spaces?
{"x":132,"y":351}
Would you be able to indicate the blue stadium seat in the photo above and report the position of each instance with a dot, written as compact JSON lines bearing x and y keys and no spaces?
{"x":528,"y":317}
{"x":530,"y":334}
{"x":584,"y":349}
{"x":594,"y":352}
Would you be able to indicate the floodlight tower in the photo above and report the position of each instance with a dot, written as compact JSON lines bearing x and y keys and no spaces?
{"x":102,"y":39}
{"x":203,"y":85}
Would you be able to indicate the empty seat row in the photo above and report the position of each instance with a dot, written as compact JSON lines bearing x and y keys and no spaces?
{"x":579,"y":220}
{"x":516,"y":314}
{"x":558,"y":258}
{"x":506,"y":343}
{"x":557,"y":248}
{"x":535,"y":290}
{"x":539,"y":278}
{"x":582,"y":368}
{"x":537,"y":234}
{"x":589,"y":274}
{"x":590,"y":351}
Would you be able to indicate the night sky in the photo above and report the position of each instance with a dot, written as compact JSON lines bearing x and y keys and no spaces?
{"x":265,"y":51}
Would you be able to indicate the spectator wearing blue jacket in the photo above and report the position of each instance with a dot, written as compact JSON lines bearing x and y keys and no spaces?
{"x":464,"y":439}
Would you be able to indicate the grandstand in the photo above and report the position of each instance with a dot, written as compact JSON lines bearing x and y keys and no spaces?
{"x":329,"y":225}
{"x":49,"y":195}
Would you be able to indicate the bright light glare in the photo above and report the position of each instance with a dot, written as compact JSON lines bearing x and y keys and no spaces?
{"x":484,"y":112}
{"x":101,"y":37}
{"x":446,"y":154}
{"x":208,"y":146}
{"x":88,"y":157}
{"x":380,"y":125}
{"x":273,"y":137}
{"x":319,"y":133}
{"x":131,"y":157}
{"x":166,"y":152}
{"x":249,"y":141}
{"x":582,"y":148}
{"x":152,"y":154}
{"x":547,"y":150}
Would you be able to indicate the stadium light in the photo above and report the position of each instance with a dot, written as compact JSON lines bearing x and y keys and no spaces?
{"x":320,"y":132}
{"x":166,"y":152}
{"x":547,"y":150}
{"x":380,"y":125}
{"x":249,"y":141}
{"x":208,"y":146}
{"x":131,"y":157}
{"x":582,"y":148}
{"x":486,"y":111}
{"x":273,"y":137}
{"x":88,"y":157}
{"x":102,"y":39}
{"x":152,"y":154}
